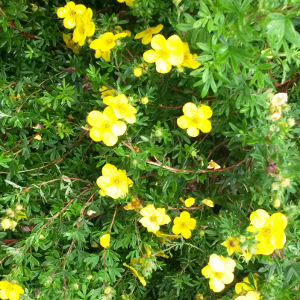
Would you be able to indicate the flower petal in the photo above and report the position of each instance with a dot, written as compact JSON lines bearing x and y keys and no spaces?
{"x":94,"y":118}
{"x":158,"y":42}
{"x":162,"y":66}
{"x":278,"y":239}
{"x":96,"y":44}
{"x":109,"y":170}
{"x":119,"y":128}
{"x":149,"y":56}
{"x":186,"y":233}
{"x":193,"y":131}
{"x":216,"y":285}
{"x":147,"y":38}
{"x":190,"y":109}
{"x":61,"y":12}
{"x":258,"y":218}
{"x":157,"y":29}
{"x":217,"y":263}
{"x":106,"y":55}
{"x":204,"y":111}
{"x":205,"y":126}
{"x":176,"y":229}
{"x":182,"y":122}
{"x":185,"y":217}
{"x":192,"y":223}
{"x":139,"y":35}
{"x":227,"y":277}
{"x":207,"y":272}
{"x":96,"y":134}
{"x":278,"y":221}
{"x":148,"y":211}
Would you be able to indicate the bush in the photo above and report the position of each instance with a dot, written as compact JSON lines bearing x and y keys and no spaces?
{"x":153,"y":165}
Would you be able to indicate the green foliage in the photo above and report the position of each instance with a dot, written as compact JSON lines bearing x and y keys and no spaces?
{"x":49,"y":164}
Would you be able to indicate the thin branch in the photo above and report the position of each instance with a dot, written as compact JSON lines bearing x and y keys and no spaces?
{"x":160,"y":164}
{"x":60,"y":212}
{"x":113,"y":220}
{"x":217,"y":147}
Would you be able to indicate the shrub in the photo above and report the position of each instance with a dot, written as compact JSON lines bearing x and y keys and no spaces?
{"x":149,"y":149}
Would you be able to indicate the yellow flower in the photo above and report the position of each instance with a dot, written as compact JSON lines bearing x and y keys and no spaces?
{"x":133,"y":205}
{"x":105,"y":240}
{"x":253,"y":295}
{"x":118,"y":29}
{"x":195,"y":118}
{"x":6,"y":223}
{"x":70,"y":43}
{"x":103,"y":44}
{"x":208,"y":202}
{"x":113,"y":182}
{"x":122,"y":109}
{"x":84,"y":27}
{"x":220,"y":272}
{"x":105,"y":92}
{"x":138,"y":72}
{"x":104,"y":54}
{"x":213,"y":165}
{"x":279,"y":99}
{"x":128,"y":2}
{"x":184,"y":224}
{"x":247,"y":255}
{"x":170,"y":237}
{"x":153,"y":218}
{"x":10,"y":291}
{"x":13,"y":97}
{"x":105,"y":126}
{"x":270,"y":230}
{"x":136,"y":274}
{"x":166,"y":52}
{"x":189,"y":60}
{"x":232,"y":244}
{"x":189,"y":202}
{"x":147,"y":34}
{"x":244,"y":286}
{"x":70,"y":13}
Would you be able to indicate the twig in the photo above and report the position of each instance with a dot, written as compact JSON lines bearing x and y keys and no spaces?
{"x":113,"y":220}
{"x":129,"y":53}
{"x":53,"y":180}
{"x":217,"y":147}
{"x":60,"y":212}
{"x":159,"y":164}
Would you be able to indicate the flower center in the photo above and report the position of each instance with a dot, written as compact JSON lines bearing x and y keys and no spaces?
{"x":106,"y":125}
{"x":195,"y":121}
{"x":163,"y":54}
{"x":153,"y":219}
{"x":232,"y":243}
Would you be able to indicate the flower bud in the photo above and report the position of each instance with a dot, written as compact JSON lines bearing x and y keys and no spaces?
{"x":59,"y":125}
{"x":201,"y":232}
{"x":158,"y":132}
{"x":49,"y":280}
{"x":180,"y":69}
{"x":10,"y":213}
{"x":131,"y":100}
{"x":76,"y":286}
{"x":176,"y":2}
{"x":276,"y":203}
{"x":194,"y":153}
{"x":108,"y":290}
{"x":278,"y":177}
{"x":275,"y":186}
{"x":199,"y":297}
{"x":89,"y":277}
{"x":291,"y":122}
{"x":91,"y":212}
{"x":138,"y":72}
{"x":242,"y":239}
{"x":252,"y":249}
{"x":19,"y":207}
{"x":41,"y":237}
{"x":285,"y":182}
{"x":279,"y":99}
{"x":144,"y":100}
{"x":118,"y":43}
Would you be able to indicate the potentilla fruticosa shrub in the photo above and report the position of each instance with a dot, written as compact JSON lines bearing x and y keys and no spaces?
{"x":149,"y":149}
